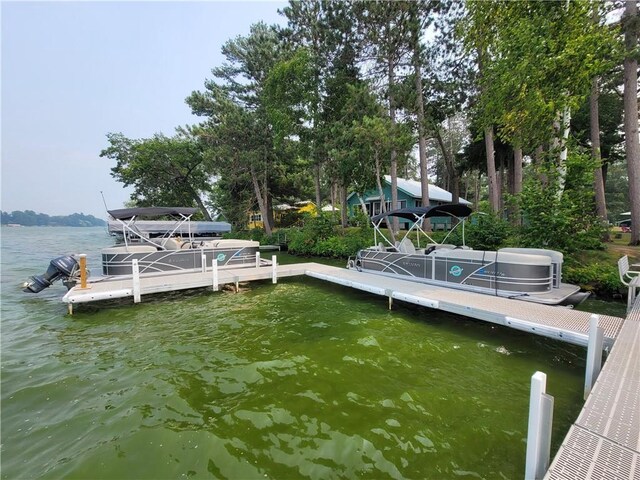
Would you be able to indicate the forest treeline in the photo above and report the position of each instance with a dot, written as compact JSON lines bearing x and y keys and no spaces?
{"x":29,"y":218}
{"x":528,"y":109}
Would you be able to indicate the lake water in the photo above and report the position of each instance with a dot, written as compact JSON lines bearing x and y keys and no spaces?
{"x":297,"y":380}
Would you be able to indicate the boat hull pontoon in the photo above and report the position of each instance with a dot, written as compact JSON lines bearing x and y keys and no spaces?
{"x":228,"y":253}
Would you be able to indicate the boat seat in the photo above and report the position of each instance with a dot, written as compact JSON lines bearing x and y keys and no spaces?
{"x":406,"y":246}
{"x":171,"y":244}
{"x":442,"y":246}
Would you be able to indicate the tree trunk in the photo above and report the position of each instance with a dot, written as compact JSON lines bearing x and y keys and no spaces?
{"x":537,"y":156}
{"x":500,"y":181}
{"x":454,"y":184}
{"x":317,"y":172}
{"x":422,"y":141}
{"x":261,"y":203}
{"x":476,"y":192}
{"x":517,"y":182}
{"x":393,"y":171}
{"x":561,"y":128}
{"x":494,"y":190}
{"x":632,"y":143}
{"x":383,"y":207}
{"x":451,"y":168}
{"x":598,"y":179}
{"x":334,"y":194}
{"x":363,"y":206}
{"x":344,"y":217}
{"x":201,"y":206}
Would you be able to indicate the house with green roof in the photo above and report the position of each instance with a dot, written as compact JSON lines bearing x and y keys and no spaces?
{"x":409,"y":195}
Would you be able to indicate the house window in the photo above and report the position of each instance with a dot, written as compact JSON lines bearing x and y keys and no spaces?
{"x":256,"y":217}
{"x":402,"y":204}
{"x":418,"y":203}
{"x":376,"y":208}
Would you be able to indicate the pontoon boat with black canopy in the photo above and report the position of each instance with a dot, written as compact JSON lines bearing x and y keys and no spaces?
{"x":529,"y":274}
{"x":171,"y":248}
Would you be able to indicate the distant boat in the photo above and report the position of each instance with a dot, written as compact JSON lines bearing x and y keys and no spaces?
{"x":14,"y":225}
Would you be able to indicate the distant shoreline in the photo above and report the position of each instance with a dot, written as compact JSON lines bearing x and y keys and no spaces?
{"x":29,"y":218}
{"x":17,"y":225}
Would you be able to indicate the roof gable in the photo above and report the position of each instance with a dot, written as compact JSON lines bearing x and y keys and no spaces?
{"x":414,"y":189}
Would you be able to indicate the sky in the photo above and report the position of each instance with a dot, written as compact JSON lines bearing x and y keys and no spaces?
{"x":71,"y":72}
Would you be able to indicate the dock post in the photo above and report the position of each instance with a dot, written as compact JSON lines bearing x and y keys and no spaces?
{"x":389,"y":293}
{"x":214,"y":267}
{"x":274,"y":267}
{"x":257,"y":259}
{"x":204,"y":263}
{"x":83,"y":270}
{"x":594,"y":355}
{"x":539,"y":429}
{"x":70,"y":308}
{"x":136,"y":281}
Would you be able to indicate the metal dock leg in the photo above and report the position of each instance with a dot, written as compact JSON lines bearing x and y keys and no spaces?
{"x":214,"y":266}
{"x":594,"y":355}
{"x":136,"y":281}
{"x":539,"y":429}
{"x":274,"y":266}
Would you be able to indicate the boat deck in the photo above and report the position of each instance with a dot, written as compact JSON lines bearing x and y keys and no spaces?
{"x":604,"y":442}
{"x":555,"y":322}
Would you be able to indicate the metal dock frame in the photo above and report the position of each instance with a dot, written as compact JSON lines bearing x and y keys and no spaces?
{"x":604,"y":441}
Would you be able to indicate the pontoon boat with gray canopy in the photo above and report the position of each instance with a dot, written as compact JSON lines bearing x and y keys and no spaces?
{"x":528,"y":274}
{"x":171,"y":249}
{"x":158,"y":228}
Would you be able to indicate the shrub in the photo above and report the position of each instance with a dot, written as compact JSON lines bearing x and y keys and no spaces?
{"x":597,"y":277}
{"x":565,"y":222}
{"x":487,"y":232}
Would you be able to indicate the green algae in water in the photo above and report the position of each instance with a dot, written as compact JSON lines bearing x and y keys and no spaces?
{"x":299,"y":379}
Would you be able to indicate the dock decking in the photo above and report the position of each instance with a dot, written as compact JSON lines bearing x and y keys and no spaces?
{"x":604,"y":441}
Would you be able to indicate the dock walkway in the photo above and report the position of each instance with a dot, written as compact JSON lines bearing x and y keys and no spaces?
{"x":604,"y":442}
{"x":560,"y":323}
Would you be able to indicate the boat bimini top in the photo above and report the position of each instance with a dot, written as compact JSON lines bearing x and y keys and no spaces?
{"x":417,"y":215}
{"x":126,"y":218}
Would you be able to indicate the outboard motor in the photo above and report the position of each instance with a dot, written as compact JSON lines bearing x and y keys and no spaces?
{"x":61,"y":267}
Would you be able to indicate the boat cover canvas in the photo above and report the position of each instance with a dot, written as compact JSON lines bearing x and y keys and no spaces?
{"x":159,"y":227}
{"x":413,"y":213}
{"x":128,"y":213}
